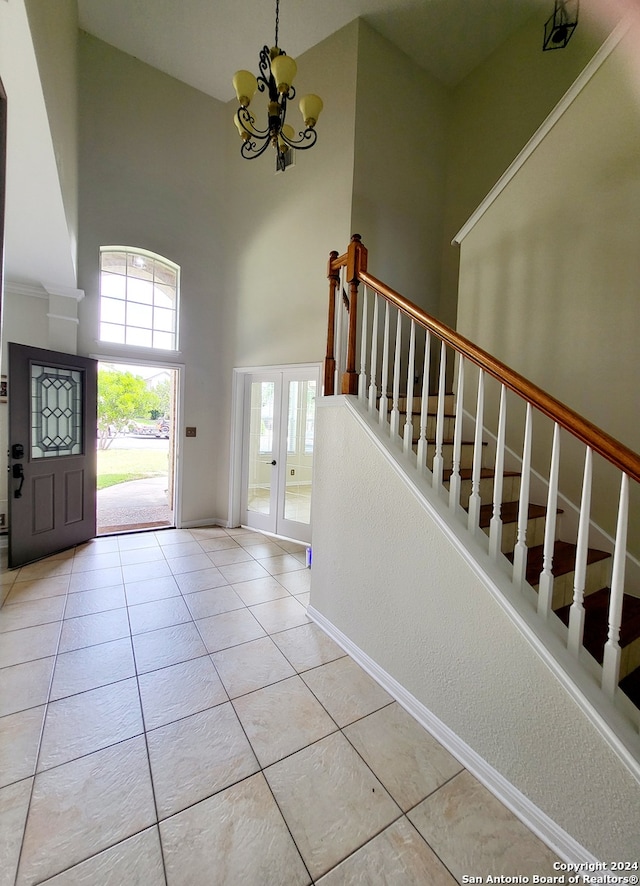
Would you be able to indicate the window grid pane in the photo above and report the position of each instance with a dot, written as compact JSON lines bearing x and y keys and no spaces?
{"x":138,"y":300}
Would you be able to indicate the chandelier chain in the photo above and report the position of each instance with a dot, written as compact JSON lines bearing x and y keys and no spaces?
{"x":277,"y":20}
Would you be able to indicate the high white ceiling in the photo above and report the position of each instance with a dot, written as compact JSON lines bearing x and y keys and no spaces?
{"x":203,"y":42}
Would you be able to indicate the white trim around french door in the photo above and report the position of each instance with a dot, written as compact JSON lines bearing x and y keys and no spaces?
{"x":273,"y":449}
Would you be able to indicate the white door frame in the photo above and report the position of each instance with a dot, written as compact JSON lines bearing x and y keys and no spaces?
{"x":178,"y":419}
{"x":237,"y":428}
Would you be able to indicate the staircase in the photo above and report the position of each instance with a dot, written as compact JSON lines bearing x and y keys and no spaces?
{"x":597,"y":592}
{"x":514,"y":469}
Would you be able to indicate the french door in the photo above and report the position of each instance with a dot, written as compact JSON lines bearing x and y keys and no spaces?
{"x":52,"y":452}
{"x":278,"y":437}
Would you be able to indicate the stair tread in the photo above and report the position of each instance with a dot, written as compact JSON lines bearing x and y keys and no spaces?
{"x":596,"y":627}
{"x":564,"y":557}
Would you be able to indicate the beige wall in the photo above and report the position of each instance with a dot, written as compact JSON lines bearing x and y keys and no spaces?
{"x":54,"y":29}
{"x":387,"y":577}
{"x":493,"y":113}
{"x":398,"y":186}
{"x":549,"y":274}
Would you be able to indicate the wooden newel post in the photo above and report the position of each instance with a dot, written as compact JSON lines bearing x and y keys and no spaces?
{"x":356,"y":262}
{"x":330,"y":361}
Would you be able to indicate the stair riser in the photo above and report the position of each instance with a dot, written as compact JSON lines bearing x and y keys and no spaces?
{"x":449,"y":403}
{"x":448,"y":426}
{"x":598,"y":576}
{"x":510,"y":490}
{"x":535,"y":534}
{"x":630,"y":658}
{"x":466,"y":455}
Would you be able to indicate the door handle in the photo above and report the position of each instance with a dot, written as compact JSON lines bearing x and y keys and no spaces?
{"x":271,"y":462}
{"x":18,"y":474}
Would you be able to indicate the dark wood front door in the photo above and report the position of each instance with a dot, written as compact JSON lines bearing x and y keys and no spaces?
{"x":52,"y":452}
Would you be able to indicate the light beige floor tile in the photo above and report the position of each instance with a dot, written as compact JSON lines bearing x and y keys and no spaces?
{"x":151,"y":589}
{"x":38,"y":589}
{"x":171,"y":693}
{"x":237,"y":572}
{"x":137,"y":540}
{"x":330,"y":800}
{"x":251,"y":666}
{"x":215,"y":835}
{"x":158,"y":614}
{"x":396,"y":857}
{"x":190,"y":582}
{"x":97,"y":578}
{"x":213,"y":601}
{"x":14,"y":616}
{"x":45,"y":569}
{"x":307,"y":647}
{"x":144,"y":571}
{"x":172,"y":536}
{"x":218,"y":543}
{"x":103,"y":545}
{"x":14,"y":804}
{"x":280,"y":615}
{"x":167,"y":646}
{"x":26,"y":644}
{"x":139,"y":555}
{"x":229,"y":629}
{"x":296,"y":582}
{"x":474,"y":834}
{"x":407,"y":760}
{"x":25,"y":685}
{"x":292,"y":547}
{"x":98,"y":600}
{"x":228,"y":556}
{"x":19,"y":739}
{"x":93,"y":666}
{"x":282,"y":563}
{"x":182,"y":549}
{"x":265,"y":550}
{"x":89,"y":630}
{"x":304,"y":599}
{"x":90,"y":561}
{"x":198,"y":756}
{"x":247,"y":537}
{"x":95,"y":801}
{"x":192,"y":563}
{"x":264,"y":712}
{"x":206,"y":532}
{"x":90,"y":721}
{"x":136,"y":861}
{"x":260,"y":590}
{"x":345,"y":690}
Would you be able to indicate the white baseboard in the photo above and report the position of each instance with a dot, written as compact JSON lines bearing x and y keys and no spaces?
{"x":558,"y":840}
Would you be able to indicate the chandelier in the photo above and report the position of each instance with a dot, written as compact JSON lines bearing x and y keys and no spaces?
{"x":560,"y":26}
{"x":277,"y":70}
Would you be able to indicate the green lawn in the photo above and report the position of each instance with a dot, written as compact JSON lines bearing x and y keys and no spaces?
{"x":121,"y":465}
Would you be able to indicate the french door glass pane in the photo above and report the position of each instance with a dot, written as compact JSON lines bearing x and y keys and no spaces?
{"x":56,"y":411}
{"x":261,"y":447}
{"x":300,"y":426}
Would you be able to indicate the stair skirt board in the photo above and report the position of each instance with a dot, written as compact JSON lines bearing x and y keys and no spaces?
{"x":558,"y":840}
{"x":580,"y":678}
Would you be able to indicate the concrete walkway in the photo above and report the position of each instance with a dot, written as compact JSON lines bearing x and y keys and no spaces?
{"x":137,"y":504}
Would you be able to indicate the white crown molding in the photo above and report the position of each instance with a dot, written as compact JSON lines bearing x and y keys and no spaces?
{"x":62,"y":317}
{"x":543,"y":131}
{"x":64,"y":291}
{"x":33,"y":290}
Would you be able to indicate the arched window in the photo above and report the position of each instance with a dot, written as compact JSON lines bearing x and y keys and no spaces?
{"x":139,"y":294}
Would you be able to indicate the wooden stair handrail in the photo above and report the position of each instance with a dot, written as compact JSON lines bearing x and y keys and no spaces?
{"x":615,"y":452}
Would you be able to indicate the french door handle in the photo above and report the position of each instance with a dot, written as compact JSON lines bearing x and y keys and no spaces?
{"x":271,"y":462}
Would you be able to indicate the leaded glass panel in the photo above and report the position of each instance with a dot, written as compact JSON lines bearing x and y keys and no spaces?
{"x":56,"y":411}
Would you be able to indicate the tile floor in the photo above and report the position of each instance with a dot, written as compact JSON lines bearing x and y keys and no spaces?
{"x":169,"y":714}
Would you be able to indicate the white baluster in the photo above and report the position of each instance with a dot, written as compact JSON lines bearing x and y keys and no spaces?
{"x":611,"y":662}
{"x":384,"y":391}
{"x":438,"y":460}
{"x":408,"y":425}
{"x":395,"y":408}
{"x":476,"y":473}
{"x":373,"y":389}
{"x":520,"y":550}
{"x":545,"y":586}
{"x":340,"y":313}
{"x":362,"y":378}
{"x":455,"y":482}
{"x":424,"y":406}
{"x":576,"y":613}
{"x":495,"y":527}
